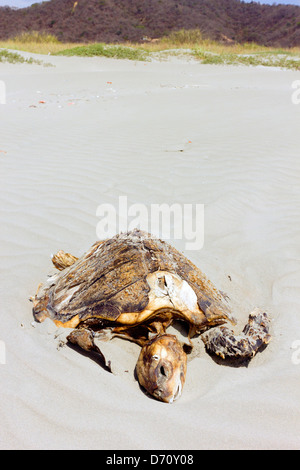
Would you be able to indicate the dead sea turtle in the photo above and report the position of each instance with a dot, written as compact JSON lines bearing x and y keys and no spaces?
{"x":133,"y":286}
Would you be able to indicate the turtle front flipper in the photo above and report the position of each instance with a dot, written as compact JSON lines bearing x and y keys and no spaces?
{"x":223,"y":342}
{"x":84,"y":338}
{"x":62,"y":260}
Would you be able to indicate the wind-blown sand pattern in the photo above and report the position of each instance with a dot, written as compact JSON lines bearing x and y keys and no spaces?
{"x":83,"y":133}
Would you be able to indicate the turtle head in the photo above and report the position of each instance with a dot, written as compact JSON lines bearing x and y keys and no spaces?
{"x":161,"y":367}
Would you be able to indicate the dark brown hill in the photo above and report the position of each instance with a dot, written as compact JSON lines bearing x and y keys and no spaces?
{"x":121,"y":20}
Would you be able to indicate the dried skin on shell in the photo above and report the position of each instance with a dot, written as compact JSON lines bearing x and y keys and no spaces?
{"x":112,"y":279}
{"x":61,"y":260}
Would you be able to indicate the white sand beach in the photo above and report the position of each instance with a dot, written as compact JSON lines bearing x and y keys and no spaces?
{"x":83,"y":133}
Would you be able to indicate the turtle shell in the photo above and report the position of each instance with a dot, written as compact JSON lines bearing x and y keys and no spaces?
{"x":128,"y":279}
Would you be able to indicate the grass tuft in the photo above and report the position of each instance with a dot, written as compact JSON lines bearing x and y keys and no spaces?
{"x":183,"y":37}
{"x":36,"y":37}
{"x":14,"y":58}
{"x":266,"y":59}
{"x":106,"y":50}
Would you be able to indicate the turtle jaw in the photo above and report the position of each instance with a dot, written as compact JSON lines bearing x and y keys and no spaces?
{"x":161,"y":368}
{"x":175,"y":391}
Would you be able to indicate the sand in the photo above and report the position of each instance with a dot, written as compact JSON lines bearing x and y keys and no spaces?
{"x":88,"y":130}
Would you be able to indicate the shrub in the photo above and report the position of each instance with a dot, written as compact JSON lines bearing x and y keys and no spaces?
{"x":14,"y":57}
{"x":184,"y":36}
{"x":37,"y":37}
{"x":106,"y":50}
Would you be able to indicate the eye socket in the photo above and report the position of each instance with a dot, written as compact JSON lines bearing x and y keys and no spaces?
{"x":155,"y":357}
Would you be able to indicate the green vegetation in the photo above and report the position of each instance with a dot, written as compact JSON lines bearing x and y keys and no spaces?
{"x":191,"y":43}
{"x":14,"y":57}
{"x":183,"y":42}
{"x":106,"y":50}
{"x":282,"y":59}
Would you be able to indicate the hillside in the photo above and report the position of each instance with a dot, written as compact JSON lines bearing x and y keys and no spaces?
{"x":133,"y":20}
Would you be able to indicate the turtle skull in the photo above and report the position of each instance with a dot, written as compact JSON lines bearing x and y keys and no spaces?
{"x":161,"y":367}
